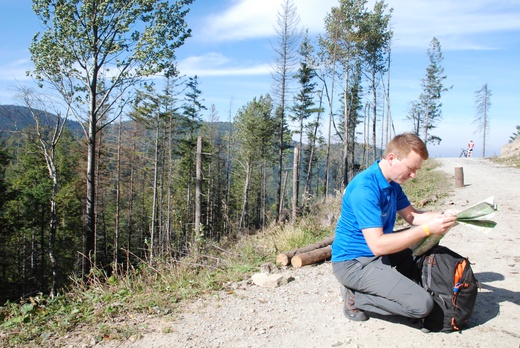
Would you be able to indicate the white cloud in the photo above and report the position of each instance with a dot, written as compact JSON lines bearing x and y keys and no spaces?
{"x":457,"y":24}
{"x":245,"y":19}
{"x":216,"y":64}
{"x":15,"y":70}
{"x":249,"y":19}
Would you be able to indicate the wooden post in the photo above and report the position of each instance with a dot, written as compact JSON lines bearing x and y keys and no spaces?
{"x":459,"y":177}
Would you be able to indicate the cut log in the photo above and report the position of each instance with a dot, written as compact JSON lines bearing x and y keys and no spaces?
{"x":285,"y":258}
{"x":311,"y":257}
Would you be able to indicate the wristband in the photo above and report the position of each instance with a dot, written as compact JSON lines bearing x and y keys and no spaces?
{"x":426,"y":230}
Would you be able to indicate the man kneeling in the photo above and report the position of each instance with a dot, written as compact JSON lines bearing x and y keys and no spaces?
{"x":372,"y":263}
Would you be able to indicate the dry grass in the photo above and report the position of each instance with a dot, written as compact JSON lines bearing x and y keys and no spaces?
{"x":508,"y":161}
{"x":112,"y":307}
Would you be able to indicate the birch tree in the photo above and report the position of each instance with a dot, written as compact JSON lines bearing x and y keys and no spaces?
{"x":375,"y":50}
{"x":45,"y":134}
{"x":92,"y":52}
{"x":340,"y":47}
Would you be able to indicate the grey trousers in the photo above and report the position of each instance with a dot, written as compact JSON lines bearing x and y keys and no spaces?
{"x":381,"y":286}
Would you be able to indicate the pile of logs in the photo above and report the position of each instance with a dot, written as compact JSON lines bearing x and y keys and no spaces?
{"x":321,"y":251}
{"x":317,"y":252}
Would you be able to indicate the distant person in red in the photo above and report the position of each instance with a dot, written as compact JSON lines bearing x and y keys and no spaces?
{"x":471,"y":145}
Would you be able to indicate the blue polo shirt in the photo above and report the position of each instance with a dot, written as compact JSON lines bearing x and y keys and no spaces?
{"x":369,"y":201}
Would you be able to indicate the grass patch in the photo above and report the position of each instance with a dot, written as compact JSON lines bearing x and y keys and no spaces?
{"x":508,"y":161}
{"x":115,"y":307}
{"x":428,"y":182}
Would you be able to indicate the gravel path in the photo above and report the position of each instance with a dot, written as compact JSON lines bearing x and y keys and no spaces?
{"x":307,"y":311}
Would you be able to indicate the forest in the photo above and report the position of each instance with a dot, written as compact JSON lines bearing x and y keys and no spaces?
{"x":113,"y":168}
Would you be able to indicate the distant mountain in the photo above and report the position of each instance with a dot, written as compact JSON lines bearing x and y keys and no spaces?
{"x":13,"y":117}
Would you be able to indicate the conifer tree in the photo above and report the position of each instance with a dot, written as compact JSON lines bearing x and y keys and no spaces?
{"x":92,"y":52}
{"x":432,"y":91}
{"x":483,"y":102}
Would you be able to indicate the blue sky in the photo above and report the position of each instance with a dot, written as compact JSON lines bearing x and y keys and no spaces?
{"x":231,"y":53}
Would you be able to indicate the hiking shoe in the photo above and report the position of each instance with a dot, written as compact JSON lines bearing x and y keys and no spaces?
{"x":349,"y":309}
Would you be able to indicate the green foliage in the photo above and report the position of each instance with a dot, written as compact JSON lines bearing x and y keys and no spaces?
{"x":254,"y":151}
{"x":515,"y":134}
{"x":105,"y":31}
{"x":93,"y":53}
{"x":108,"y":305}
{"x":432,"y":91}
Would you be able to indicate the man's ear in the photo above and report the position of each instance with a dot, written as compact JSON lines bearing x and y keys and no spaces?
{"x":391,"y":157}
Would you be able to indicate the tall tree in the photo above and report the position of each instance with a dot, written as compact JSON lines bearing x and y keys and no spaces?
{"x":483,"y":101}
{"x":285,"y":61}
{"x":254,"y":137}
{"x":149,"y":109}
{"x":304,"y":106}
{"x":45,"y":134}
{"x":341,"y":46}
{"x":215,"y":173}
{"x":93,"y":51}
{"x":375,"y":50}
{"x":190,"y":124}
{"x":432,"y":91}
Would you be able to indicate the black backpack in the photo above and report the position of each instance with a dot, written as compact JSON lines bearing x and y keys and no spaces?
{"x":448,"y":277}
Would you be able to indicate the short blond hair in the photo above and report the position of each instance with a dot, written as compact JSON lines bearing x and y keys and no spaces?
{"x":401,"y":145}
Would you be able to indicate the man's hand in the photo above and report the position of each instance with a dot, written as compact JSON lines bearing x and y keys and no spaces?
{"x":441,"y":224}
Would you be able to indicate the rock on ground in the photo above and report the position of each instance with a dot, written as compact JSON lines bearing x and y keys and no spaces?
{"x":306,"y":312}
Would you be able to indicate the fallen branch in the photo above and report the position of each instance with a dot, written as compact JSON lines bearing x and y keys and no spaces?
{"x":311,"y":257}
{"x":432,"y":198}
{"x":285,"y":258}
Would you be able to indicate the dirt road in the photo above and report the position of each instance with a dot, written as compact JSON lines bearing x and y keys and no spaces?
{"x":307,"y":311}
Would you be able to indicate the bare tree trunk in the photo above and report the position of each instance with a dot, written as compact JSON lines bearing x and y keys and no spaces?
{"x":288,"y":34}
{"x":374,"y":118}
{"x":330,"y":98}
{"x":131,"y":199}
{"x":388,"y":110}
{"x":346,"y":147}
{"x":264,"y":193}
{"x":245,"y":192}
{"x":366,"y":134}
{"x":198,"y":195}
{"x":280,"y":167}
{"x":169,"y":183}
{"x":227,"y":219}
{"x":296,"y":182}
{"x":52,"y":235}
{"x":118,"y":197}
{"x":91,"y":194}
{"x":154,"y":198}
{"x":311,"y":157}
